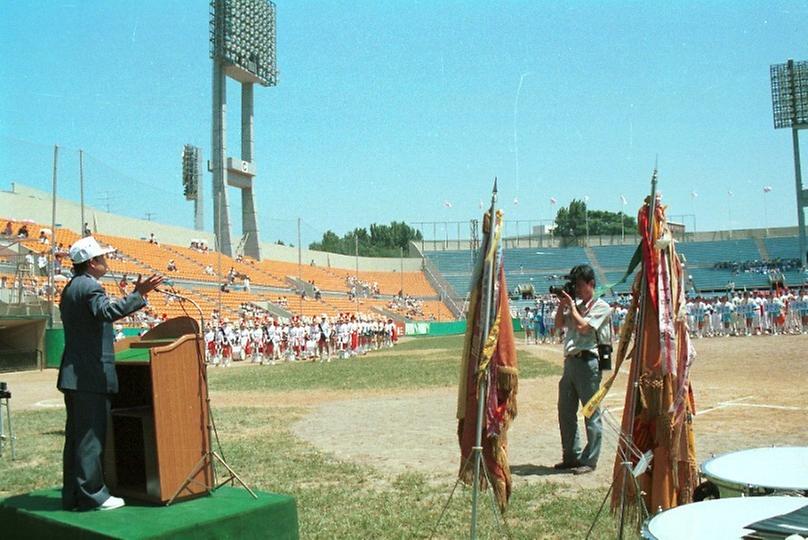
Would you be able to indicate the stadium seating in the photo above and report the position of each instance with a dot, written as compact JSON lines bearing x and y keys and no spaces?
{"x":709,"y":253}
{"x":522,"y":265}
{"x":783,"y":248}
{"x":270,"y":279}
{"x":541,"y":265}
{"x":614,"y":257}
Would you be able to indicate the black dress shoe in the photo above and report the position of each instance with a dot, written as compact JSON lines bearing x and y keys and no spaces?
{"x":564,"y":465}
{"x":583,"y":469}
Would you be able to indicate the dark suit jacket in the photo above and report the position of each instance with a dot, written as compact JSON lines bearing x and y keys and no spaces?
{"x":88,"y":362}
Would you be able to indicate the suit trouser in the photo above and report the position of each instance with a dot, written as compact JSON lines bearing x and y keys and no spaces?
{"x":580,"y":381}
{"x":85,"y":434}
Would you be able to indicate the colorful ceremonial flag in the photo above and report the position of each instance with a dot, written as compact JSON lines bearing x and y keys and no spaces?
{"x":491,"y":359}
{"x":656,"y":332}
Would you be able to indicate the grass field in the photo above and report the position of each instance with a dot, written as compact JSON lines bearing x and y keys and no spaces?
{"x":336,"y":498}
{"x":321,"y":432}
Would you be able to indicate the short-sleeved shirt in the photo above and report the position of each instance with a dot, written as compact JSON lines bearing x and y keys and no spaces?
{"x":598,"y":314}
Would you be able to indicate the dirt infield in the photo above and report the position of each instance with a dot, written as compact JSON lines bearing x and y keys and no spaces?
{"x":749,"y":391}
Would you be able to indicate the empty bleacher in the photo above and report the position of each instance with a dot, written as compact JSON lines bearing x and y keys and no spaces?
{"x":522,"y":265}
{"x":541,"y":265}
{"x":199,"y":274}
{"x":787,"y":247}
{"x":709,"y":253}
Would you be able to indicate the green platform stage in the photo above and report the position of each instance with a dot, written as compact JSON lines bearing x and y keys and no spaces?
{"x":227,"y":513}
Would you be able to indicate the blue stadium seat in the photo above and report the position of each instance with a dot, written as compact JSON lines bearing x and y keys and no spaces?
{"x":539,"y":265}
{"x":783,"y":248}
{"x":709,"y":253}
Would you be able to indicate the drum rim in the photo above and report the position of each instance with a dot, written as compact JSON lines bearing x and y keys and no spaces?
{"x":730,"y":483}
{"x":646,"y":526}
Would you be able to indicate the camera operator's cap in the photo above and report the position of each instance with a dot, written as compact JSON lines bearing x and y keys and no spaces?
{"x":87,"y":248}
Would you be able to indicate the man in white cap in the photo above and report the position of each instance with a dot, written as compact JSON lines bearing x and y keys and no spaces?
{"x":87,"y":373}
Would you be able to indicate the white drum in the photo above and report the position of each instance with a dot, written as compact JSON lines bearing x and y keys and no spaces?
{"x":720,"y":519}
{"x":759,"y":471}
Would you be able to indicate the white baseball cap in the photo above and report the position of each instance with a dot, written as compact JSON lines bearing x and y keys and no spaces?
{"x":87,"y":248}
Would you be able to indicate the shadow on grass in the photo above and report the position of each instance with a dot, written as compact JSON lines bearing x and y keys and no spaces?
{"x":528,"y":469}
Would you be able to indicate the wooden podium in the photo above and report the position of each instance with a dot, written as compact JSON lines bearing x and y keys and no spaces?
{"x":159,"y":419}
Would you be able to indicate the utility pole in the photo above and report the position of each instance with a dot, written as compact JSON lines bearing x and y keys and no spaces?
{"x":51,"y":280}
{"x":300,"y":264}
{"x":106,"y":196}
{"x":81,"y":190}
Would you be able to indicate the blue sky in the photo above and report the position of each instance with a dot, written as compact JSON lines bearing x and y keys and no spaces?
{"x":385,"y":110}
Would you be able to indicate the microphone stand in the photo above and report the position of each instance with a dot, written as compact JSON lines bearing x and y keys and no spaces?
{"x":210,"y":457}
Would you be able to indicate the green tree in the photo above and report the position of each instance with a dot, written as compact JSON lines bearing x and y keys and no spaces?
{"x":381,"y":241}
{"x":571,"y":222}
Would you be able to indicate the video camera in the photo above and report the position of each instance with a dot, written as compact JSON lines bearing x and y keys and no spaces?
{"x":568,"y":287}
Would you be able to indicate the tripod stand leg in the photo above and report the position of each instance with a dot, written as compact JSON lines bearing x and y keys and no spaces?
{"x":233,"y":474}
{"x":494,"y":507}
{"x":445,"y":507}
{"x":208,"y":461}
{"x":600,"y":510}
{"x":11,"y":432}
{"x":204,"y":461}
{"x":3,"y":437}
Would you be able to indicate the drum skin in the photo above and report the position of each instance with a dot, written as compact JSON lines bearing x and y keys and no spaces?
{"x":759,"y":471}
{"x":720,"y":519}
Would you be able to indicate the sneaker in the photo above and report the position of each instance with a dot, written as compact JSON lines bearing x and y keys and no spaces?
{"x":583,"y":469}
{"x":112,"y":503}
{"x":564,"y":465}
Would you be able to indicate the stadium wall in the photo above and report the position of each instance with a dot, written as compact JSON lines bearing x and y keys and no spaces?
{"x":23,"y":202}
{"x":608,"y":240}
{"x":276,"y":252}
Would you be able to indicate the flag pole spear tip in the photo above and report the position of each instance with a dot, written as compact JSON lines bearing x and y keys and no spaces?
{"x":495,"y":184}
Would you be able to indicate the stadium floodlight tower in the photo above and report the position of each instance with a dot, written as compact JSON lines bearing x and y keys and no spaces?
{"x":242,"y":47}
{"x":192,"y":189}
{"x":790,"y":105}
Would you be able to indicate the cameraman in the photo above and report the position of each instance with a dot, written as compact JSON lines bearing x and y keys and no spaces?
{"x":584,"y":319}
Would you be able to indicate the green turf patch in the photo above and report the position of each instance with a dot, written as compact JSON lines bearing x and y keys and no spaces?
{"x":335,"y":499}
{"x":418,"y":363}
{"x":339,"y":499}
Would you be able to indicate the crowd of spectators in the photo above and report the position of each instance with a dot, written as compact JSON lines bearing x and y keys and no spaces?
{"x":360,"y":288}
{"x":758,"y":267}
{"x":199,"y":245}
{"x":407,"y":305}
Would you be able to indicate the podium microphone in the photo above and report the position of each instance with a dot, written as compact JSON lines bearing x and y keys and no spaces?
{"x":182,"y":297}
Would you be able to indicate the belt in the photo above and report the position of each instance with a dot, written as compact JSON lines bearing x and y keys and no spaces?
{"x":584,"y":355}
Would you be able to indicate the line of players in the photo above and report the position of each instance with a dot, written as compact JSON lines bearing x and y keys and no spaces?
{"x":749,"y":313}
{"x":736,"y":314}
{"x":268,"y":341}
{"x":538,"y":322}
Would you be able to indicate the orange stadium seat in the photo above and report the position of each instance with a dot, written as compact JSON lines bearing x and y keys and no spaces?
{"x":139,"y":256}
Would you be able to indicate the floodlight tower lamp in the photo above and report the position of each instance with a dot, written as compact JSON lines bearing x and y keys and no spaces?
{"x":242,"y":48}
{"x":789,"y":84}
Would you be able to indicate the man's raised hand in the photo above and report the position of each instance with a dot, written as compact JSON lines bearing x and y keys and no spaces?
{"x":146,"y":286}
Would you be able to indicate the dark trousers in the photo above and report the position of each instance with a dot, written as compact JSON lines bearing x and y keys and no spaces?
{"x":85,"y":434}
{"x":580,"y":381}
